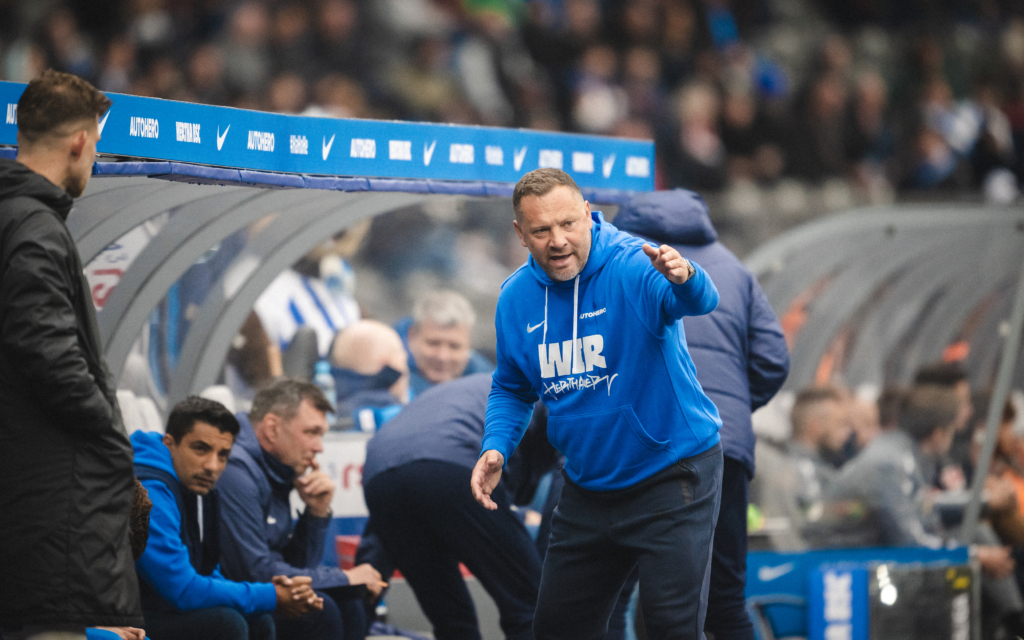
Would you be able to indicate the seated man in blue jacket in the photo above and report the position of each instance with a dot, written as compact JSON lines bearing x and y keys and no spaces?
{"x":183,"y":592}
{"x":276,"y":453}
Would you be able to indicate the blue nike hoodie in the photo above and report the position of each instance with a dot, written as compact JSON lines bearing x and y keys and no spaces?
{"x":165,"y":564}
{"x":625,"y":402}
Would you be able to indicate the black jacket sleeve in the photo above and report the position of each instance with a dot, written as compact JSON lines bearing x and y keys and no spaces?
{"x":39,"y":327}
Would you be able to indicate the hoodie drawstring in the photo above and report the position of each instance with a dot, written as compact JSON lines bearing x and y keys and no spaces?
{"x":544,"y":338}
{"x":575,"y":313}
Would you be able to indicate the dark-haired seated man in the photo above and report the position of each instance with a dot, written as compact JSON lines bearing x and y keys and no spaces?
{"x":276,"y":453}
{"x":184,"y":594}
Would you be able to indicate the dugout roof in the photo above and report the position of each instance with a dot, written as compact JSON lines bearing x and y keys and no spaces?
{"x":218,"y":170}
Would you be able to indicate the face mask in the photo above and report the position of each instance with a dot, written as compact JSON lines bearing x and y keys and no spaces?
{"x":348,"y":382}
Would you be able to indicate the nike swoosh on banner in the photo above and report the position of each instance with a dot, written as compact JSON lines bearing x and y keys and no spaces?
{"x":103,"y":122}
{"x":609,"y":162}
{"x":428,"y":153}
{"x":327,"y":146}
{"x":220,"y":138}
{"x":767,"y":574}
{"x":530,"y":329}
{"x":518,"y":159}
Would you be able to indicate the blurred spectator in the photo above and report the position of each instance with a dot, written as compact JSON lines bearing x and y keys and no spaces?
{"x":871,"y":140}
{"x":151,"y":28}
{"x":888,"y":479}
{"x":246,"y":53}
{"x":292,"y":40}
{"x":304,"y":296}
{"x":424,"y":80}
{"x":642,"y":83}
{"x":287,"y":94}
{"x":695,"y":156}
{"x":889,"y":402}
{"x":338,"y":42}
{"x":66,"y":47}
{"x":118,"y":66}
{"x":680,"y":40}
{"x":817,"y":148}
{"x":598,"y":102}
{"x":337,"y":96}
{"x":371,"y":374}
{"x":950,"y":472}
{"x":935,"y":97}
{"x":206,"y":75}
{"x":439,"y":339}
{"x":820,"y":429}
{"x":749,"y":140}
{"x":863,"y":417}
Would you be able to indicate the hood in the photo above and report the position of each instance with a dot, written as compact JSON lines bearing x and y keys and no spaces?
{"x":669,"y":217}
{"x":151,"y":451}
{"x":18,"y":180}
{"x":602,"y":246}
{"x":246,"y":439}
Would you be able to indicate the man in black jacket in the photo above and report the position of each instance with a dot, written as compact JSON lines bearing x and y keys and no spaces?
{"x":65,"y":459}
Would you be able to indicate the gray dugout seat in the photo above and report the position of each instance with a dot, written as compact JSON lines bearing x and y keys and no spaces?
{"x":871,"y":295}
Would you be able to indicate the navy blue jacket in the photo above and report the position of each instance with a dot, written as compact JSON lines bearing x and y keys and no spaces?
{"x":258,"y":539}
{"x":444,"y":423}
{"x":738,"y":349}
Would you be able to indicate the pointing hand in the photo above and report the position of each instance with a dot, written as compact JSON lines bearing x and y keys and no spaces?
{"x":669,"y":263}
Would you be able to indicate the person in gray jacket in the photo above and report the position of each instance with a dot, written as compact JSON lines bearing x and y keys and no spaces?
{"x":883,"y":498}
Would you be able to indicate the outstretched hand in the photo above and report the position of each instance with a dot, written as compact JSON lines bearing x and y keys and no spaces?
{"x":486,"y":475}
{"x":669,"y":263}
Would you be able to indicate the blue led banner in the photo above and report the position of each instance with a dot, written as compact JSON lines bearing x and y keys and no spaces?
{"x":224,"y":137}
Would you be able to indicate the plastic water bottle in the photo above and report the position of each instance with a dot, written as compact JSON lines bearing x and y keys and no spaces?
{"x":322,"y":378}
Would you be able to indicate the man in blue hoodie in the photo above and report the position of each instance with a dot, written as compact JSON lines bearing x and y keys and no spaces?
{"x":276,"y":453}
{"x":183,"y":592}
{"x":590,"y":325}
{"x":741,"y":359}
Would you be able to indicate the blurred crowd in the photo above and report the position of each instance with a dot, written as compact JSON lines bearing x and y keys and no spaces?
{"x":881,"y":97}
{"x":897,"y":470}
